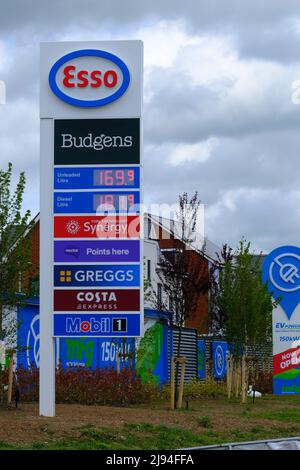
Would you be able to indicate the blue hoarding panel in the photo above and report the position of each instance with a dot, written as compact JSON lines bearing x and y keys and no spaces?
{"x":108,"y":349}
{"x":97,"y":276}
{"x":287,"y":383}
{"x":95,"y":202}
{"x":201,"y":358}
{"x":28,"y":336}
{"x":70,"y":352}
{"x":74,"y":352}
{"x":97,"y":177}
{"x":96,"y":325}
{"x":220,"y":350}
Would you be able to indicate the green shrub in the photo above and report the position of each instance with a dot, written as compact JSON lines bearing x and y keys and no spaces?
{"x":204,"y":421}
{"x":197,"y":389}
{"x":208,"y":388}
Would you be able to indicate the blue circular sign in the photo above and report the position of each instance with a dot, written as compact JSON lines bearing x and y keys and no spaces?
{"x":219,"y":361}
{"x":89,"y":53}
{"x":281,"y":270}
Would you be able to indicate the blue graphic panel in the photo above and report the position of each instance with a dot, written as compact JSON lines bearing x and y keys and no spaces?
{"x":97,"y":276}
{"x":92,"y":202}
{"x":104,"y":177}
{"x":287,"y":383}
{"x":108,"y":349}
{"x":220,"y":351}
{"x":74,"y":352}
{"x":28,"y":339}
{"x":70,"y":352}
{"x":201,"y":359}
{"x":281,"y":270}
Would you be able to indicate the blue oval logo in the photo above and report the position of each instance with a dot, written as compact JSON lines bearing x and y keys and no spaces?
{"x":89,"y":103}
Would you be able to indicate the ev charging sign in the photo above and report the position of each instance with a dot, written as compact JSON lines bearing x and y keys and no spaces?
{"x":90,"y":223}
{"x":281,"y":270}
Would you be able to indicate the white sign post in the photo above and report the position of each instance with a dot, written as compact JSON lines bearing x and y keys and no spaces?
{"x":90,"y":127}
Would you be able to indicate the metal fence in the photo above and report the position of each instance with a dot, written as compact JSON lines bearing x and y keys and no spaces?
{"x":290,"y":443}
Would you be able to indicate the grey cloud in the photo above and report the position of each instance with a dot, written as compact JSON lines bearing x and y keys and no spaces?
{"x":193,"y":113}
{"x":57,"y":13}
{"x":258,"y":138}
{"x":260,"y":219}
{"x":261,"y":28}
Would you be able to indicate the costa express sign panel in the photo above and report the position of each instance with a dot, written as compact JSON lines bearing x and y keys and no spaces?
{"x":96,"y":226}
{"x":98,"y":178}
{"x":97,"y":275}
{"x":96,"y":141}
{"x":104,"y":251}
{"x":89,"y":202}
{"x":96,"y":300}
{"x":96,"y":324}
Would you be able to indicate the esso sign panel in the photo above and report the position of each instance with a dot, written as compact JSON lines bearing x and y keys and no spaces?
{"x":89,"y":78}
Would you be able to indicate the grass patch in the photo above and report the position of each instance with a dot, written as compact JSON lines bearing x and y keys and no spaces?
{"x":209,"y":421}
{"x":130,"y":436}
{"x":145,"y":436}
{"x":285,"y":416}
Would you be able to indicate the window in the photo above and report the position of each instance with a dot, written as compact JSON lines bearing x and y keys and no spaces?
{"x":149,"y":226}
{"x":159,"y":295}
{"x":149,"y":269}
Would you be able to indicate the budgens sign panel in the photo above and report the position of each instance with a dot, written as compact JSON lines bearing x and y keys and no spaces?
{"x":91,"y":147}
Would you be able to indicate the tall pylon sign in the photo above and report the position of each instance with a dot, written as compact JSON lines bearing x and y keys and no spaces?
{"x":91,"y":231}
{"x":281,"y":270}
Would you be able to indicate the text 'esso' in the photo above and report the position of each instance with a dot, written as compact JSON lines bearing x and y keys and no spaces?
{"x":89,"y":78}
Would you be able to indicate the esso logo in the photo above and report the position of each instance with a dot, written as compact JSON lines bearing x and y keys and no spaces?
{"x":89,"y":78}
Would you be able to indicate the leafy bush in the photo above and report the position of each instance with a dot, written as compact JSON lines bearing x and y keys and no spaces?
{"x":197,"y":389}
{"x":89,"y":387}
{"x":204,"y":421}
{"x":208,"y":388}
{"x":28,"y":383}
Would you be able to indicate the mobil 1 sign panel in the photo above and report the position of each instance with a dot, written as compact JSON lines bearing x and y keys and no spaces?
{"x":94,"y":253}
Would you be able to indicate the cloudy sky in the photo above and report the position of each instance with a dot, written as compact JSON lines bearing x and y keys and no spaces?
{"x":219,"y":116}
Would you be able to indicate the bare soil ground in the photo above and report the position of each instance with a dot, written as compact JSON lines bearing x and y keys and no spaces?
{"x":216,"y":420}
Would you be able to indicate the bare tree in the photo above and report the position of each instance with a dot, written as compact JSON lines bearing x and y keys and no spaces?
{"x":183,"y":271}
{"x":217,"y":315}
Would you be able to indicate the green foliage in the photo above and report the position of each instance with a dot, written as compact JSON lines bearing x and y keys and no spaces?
{"x":195,"y":389}
{"x":208,"y":388}
{"x":148,"y":353}
{"x":245,"y":299}
{"x":143,"y":436}
{"x":14,"y":250}
{"x":271,"y":418}
{"x":204,"y":421}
